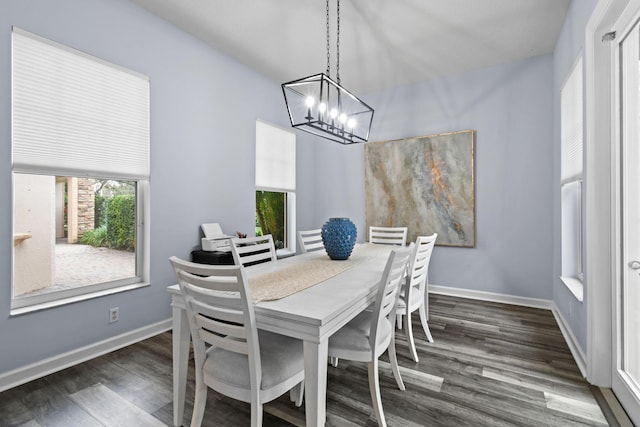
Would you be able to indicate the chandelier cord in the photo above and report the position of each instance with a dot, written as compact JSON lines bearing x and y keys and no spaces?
{"x":328,"y":45}
{"x":338,"y":42}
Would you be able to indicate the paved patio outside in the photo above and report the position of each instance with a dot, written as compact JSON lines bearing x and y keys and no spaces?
{"x":79,"y":265}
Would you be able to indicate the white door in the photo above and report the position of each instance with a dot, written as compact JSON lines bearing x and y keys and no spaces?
{"x":626,"y":372}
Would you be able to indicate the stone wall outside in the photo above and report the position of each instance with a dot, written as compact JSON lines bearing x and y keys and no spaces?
{"x":86,"y":202}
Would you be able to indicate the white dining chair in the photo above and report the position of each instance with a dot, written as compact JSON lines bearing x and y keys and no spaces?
{"x":388,"y":235}
{"x":253,"y":250}
{"x":310,"y":240}
{"x":232,"y":356}
{"x":414,"y":294}
{"x":369,"y":334}
{"x":385,"y":236}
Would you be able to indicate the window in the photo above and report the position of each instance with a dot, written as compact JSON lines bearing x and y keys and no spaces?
{"x":276,"y":184}
{"x":80,"y":171}
{"x":271,"y":216}
{"x":571,"y":123}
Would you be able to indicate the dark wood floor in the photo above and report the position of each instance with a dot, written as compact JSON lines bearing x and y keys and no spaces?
{"x":490,"y":365}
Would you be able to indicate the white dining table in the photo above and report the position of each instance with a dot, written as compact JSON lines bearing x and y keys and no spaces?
{"x":311,"y":315}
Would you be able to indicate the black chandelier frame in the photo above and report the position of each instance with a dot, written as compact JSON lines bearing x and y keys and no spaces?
{"x":326,"y":91}
{"x":321,"y":106}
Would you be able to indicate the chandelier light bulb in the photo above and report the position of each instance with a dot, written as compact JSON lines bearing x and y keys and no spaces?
{"x":333,"y":113}
{"x":351,"y":123}
{"x":343,"y":118}
{"x":322,"y":107}
{"x":310,"y":101}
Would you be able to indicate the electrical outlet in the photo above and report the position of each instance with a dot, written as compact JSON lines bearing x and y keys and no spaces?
{"x":113,"y":314}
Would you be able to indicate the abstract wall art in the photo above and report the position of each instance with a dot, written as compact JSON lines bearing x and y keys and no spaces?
{"x":425,"y":183}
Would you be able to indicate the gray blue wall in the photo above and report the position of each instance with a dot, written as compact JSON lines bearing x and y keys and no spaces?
{"x":509,"y":107}
{"x":204,"y":106}
{"x":570,"y":44}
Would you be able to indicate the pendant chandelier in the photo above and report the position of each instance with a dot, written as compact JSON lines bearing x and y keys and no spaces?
{"x":320,"y":105}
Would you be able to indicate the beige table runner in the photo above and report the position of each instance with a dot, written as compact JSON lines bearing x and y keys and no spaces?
{"x":297,"y":277}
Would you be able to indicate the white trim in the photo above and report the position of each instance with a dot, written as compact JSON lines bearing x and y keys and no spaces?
{"x":291,"y":221}
{"x":624,"y":386}
{"x":25,"y":308}
{"x":575,"y":286}
{"x":600,"y":193}
{"x":62,"y":361}
{"x":492,"y":297}
{"x":571,"y":179}
{"x":285,"y":253}
{"x":572,"y":342}
{"x":618,"y":411}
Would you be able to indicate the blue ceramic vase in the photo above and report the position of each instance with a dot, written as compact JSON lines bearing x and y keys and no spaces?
{"x":339,"y":237}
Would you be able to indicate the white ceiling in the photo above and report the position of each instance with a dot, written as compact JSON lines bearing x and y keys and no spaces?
{"x":383,"y":43}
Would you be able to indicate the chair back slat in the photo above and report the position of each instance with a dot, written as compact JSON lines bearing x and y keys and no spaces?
{"x":251,"y":259}
{"x":386,"y":299}
{"x":253,"y":250}
{"x":419,"y":266}
{"x":219,"y":309}
{"x":221,"y":283}
{"x":200,"y":269}
{"x":229,"y":344}
{"x":210,"y":313}
{"x":388,"y":235}
{"x":310,"y":240}
{"x":235,"y":330}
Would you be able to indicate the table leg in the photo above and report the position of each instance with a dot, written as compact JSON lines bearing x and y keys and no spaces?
{"x":315,"y":382}
{"x":181,"y":339}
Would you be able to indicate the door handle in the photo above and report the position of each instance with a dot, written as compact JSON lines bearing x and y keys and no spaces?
{"x":635,"y":265}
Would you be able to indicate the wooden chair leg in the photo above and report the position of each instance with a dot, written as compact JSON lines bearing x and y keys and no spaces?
{"x":408,"y":331}
{"x":425,"y":325}
{"x":334,"y":362}
{"x":199,"y":402}
{"x":374,"y":389}
{"x":393,"y":358}
{"x":399,"y":321}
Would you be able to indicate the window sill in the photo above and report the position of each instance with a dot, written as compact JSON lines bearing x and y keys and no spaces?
{"x":575,"y":286}
{"x":70,"y":300}
{"x":284,"y":253}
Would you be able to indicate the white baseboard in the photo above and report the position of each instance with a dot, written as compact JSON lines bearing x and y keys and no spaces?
{"x":492,"y":297}
{"x":572,"y":342}
{"x":59,"y":362}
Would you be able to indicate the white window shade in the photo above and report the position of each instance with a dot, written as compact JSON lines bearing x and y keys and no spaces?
{"x":76,"y":114}
{"x":571,"y":124}
{"x":275,"y":158}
